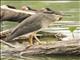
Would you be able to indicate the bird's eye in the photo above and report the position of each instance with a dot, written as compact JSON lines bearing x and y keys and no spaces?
{"x":60,"y":18}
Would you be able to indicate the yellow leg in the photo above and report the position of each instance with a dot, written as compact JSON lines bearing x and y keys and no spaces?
{"x":34,"y":34}
{"x":31,"y":40}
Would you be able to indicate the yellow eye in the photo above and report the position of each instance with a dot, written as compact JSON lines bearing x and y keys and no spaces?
{"x":60,"y":17}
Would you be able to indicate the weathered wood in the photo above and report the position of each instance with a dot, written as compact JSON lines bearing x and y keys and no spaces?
{"x":8,"y":44}
{"x":61,"y":47}
{"x":71,"y":47}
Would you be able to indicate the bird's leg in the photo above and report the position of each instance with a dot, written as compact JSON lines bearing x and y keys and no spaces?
{"x":36,"y":38}
{"x":31,"y":40}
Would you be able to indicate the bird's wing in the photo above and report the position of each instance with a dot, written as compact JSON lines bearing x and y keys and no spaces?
{"x":29,"y":25}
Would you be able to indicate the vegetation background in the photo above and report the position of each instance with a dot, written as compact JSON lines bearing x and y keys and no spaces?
{"x":70,"y":7}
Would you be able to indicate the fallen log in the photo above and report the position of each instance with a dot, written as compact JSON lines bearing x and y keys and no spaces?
{"x":61,"y":47}
{"x":71,"y":47}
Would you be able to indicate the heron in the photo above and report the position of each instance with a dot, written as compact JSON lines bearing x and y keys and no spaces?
{"x":20,"y":16}
{"x":33,"y":24}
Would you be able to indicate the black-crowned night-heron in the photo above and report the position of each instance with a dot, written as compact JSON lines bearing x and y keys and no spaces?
{"x":34,"y":24}
{"x":18,"y":16}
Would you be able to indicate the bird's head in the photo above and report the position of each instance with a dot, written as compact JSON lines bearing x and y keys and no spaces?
{"x":57,"y":17}
{"x":53,"y":17}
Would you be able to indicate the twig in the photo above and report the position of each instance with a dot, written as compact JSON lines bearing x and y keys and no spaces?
{"x":6,"y":43}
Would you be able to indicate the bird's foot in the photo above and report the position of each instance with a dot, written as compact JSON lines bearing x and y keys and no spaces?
{"x":26,"y":48}
{"x":39,"y":43}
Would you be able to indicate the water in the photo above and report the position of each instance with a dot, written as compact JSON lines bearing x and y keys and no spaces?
{"x":58,"y":57}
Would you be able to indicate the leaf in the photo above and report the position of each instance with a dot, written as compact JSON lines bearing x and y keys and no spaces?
{"x":72,"y":28}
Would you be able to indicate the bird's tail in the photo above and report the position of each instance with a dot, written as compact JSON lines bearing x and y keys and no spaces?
{"x":9,"y":38}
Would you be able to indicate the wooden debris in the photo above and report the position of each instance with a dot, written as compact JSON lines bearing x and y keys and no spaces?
{"x":71,"y":47}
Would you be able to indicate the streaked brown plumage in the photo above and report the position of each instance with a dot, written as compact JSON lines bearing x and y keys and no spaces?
{"x":33,"y":23}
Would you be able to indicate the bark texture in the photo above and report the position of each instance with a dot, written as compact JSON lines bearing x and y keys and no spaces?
{"x":71,"y":47}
